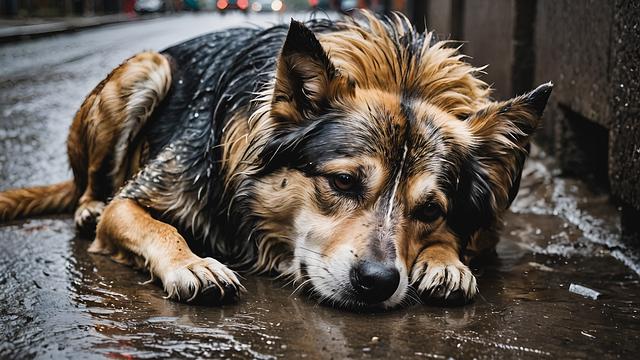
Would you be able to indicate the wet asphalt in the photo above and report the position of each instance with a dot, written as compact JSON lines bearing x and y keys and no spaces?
{"x":57,"y":301}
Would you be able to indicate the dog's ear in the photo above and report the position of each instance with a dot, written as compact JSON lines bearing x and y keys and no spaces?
{"x":305,"y":77}
{"x":501,"y":133}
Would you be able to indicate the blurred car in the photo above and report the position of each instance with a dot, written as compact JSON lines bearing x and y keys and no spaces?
{"x":348,"y":4}
{"x":267,"y":5}
{"x":148,"y":6}
{"x":320,"y":4}
{"x":227,"y":5}
{"x":193,"y":5}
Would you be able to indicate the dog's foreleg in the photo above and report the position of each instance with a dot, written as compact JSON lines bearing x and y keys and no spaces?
{"x":438,"y":274}
{"x":126,"y":226}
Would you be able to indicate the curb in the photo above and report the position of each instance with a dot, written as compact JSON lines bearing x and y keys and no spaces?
{"x":26,"y":32}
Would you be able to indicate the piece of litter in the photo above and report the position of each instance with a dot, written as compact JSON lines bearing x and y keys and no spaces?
{"x":541,"y":267}
{"x":375,"y":339}
{"x":584,"y":291}
{"x":587,"y":334}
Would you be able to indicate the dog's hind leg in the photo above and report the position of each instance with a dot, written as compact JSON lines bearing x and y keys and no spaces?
{"x":126,"y":228}
{"x":101,"y":140}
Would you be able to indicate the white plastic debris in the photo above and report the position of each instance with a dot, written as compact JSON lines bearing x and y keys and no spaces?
{"x":541,"y":267}
{"x":587,"y":334}
{"x":584,"y":291}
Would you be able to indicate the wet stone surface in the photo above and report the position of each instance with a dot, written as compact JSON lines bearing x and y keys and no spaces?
{"x":57,"y":301}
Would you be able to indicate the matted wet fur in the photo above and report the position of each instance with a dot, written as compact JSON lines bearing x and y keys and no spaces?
{"x":362,"y":159}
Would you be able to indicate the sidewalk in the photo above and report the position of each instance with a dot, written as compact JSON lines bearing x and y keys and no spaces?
{"x":20,"y":29}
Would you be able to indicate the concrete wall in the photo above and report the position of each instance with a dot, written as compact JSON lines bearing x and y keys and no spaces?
{"x":58,"y":8}
{"x":488,"y":29}
{"x":590,"y":49}
{"x":624,"y":166}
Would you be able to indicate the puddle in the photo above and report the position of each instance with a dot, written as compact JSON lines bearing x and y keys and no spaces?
{"x":59,"y":301}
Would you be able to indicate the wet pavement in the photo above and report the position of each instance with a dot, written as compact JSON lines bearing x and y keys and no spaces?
{"x":57,"y":301}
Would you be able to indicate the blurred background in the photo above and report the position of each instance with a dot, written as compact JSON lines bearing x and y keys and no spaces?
{"x":52,"y":8}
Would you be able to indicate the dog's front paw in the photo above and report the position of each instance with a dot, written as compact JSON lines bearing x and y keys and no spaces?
{"x":201,"y":280}
{"x":444,"y":283}
{"x":87,"y":216}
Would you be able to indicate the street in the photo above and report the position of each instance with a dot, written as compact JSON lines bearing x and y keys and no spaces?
{"x":57,"y":301}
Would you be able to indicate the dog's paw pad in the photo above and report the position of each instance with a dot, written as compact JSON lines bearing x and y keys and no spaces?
{"x":87,"y":216}
{"x":203,"y":281}
{"x":447,"y":284}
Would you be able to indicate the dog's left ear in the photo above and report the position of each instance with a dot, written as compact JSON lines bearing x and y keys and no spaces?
{"x":305,"y":77}
{"x":501,"y":134}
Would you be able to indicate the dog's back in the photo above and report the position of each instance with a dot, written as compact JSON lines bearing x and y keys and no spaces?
{"x":214,"y":79}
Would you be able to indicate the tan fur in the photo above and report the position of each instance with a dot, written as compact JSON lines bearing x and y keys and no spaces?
{"x":368,"y":57}
{"x":126,"y":229}
{"x":58,"y":198}
{"x":108,"y":121}
{"x":105,"y":125}
{"x":503,"y":140}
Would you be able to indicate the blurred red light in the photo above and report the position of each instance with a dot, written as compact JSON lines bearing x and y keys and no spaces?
{"x":313,"y":2}
{"x":222,"y":4}
{"x":243,"y":4}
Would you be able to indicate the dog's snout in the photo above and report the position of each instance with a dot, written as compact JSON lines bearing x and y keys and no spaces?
{"x":374,"y":282}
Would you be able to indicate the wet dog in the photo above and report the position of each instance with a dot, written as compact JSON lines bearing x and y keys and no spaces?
{"x":361,"y":158}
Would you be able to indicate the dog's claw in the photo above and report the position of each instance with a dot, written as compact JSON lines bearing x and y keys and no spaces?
{"x":201,"y":280}
{"x":447,"y":284}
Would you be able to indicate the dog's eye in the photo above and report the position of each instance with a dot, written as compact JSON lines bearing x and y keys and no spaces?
{"x":429,"y":212}
{"x":344,"y":182}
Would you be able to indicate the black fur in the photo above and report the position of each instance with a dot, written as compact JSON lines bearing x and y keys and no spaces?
{"x":214,"y":76}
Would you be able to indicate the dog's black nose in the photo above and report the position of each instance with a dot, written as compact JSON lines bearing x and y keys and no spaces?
{"x":374,"y":282}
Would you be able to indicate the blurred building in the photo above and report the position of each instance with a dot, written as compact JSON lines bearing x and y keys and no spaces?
{"x":56,"y":8}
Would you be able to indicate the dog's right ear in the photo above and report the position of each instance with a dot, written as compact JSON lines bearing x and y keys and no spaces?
{"x":306,"y":82}
{"x":304,"y":76}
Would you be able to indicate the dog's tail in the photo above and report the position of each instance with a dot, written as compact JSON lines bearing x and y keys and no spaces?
{"x":52,"y":199}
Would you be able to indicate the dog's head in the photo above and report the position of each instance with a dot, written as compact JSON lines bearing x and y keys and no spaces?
{"x":360,"y":179}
